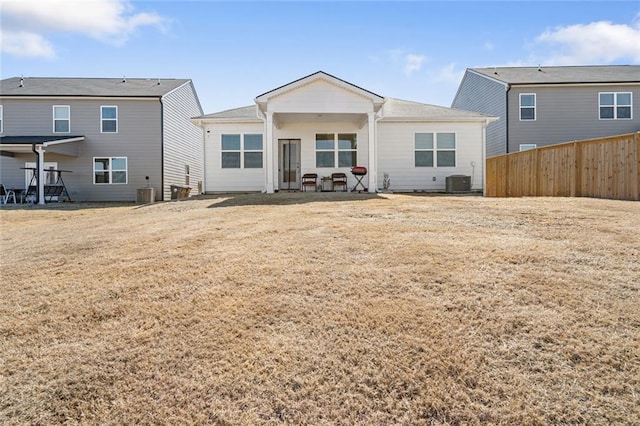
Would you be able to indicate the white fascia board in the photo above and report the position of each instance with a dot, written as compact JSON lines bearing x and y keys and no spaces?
{"x":61,"y":141}
{"x":602,"y":84}
{"x":436,"y":120}
{"x":84,"y":98}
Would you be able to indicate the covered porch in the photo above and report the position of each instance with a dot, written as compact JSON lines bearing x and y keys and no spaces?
{"x":39,"y":146}
{"x":321,"y":125}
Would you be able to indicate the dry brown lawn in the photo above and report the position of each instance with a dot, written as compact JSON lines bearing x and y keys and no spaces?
{"x":322,"y":309}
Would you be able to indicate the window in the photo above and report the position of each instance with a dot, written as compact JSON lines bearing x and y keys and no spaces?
{"x":1,"y":120}
{"x":615,"y":106}
{"x":528,"y":146}
{"x":438,"y":149}
{"x":110,"y":170}
{"x":336,"y":148}
{"x":242,"y":151}
{"x":527,"y":106}
{"x":187,"y":175}
{"x":347,"y":150}
{"x":253,"y":151}
{"x":446,"y":149}
{"x":109,"y":119}
{"x":61,"y":119}
{"x":424,"y":149}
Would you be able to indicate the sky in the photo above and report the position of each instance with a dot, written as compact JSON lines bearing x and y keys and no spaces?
{"x":236,"y":50}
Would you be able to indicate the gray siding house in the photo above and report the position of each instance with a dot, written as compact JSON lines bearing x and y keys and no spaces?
{"x":109,"y":137}
{"x":541,"y":106}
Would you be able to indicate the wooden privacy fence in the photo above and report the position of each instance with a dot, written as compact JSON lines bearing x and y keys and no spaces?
{"x":600,"y":168}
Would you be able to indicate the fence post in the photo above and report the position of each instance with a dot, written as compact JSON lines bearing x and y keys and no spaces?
{"x":576,"y":183}
{"x":637,"y":165}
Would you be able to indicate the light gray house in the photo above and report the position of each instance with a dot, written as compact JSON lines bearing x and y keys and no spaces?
{"x":541,"y":106}
{"x":109,"y":137}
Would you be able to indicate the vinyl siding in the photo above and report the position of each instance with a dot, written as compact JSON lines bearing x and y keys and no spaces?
{"x":396,"y":148}
{"x":183,"y":144}
{"x":567,"y":113}
{"x":480,"y":94}
{"x":320,"y":97}
{"x":231,"y":180}
{"x":138,"y":139}
{"x":238,"y":180}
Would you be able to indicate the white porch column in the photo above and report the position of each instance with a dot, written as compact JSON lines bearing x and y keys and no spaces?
{"x":40,"y":172}
{"x":373,"y":161}
{"x":272,"y":150}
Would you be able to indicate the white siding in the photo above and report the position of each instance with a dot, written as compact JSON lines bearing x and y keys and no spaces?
{"x":231,"y":180}
{"x":396,"y":155}
{"x":320,"y":97}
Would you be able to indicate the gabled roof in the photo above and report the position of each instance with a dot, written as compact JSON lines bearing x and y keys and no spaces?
{"x":563,"y":75}
{"x":400,"y":110}
{"x":89,"y":87}
{"x":319,"y":75}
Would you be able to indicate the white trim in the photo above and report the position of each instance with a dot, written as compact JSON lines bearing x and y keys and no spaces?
{"x":528,"y":146}
{"x":110,"y":171}
{"x":435,"y":149}
{"x":535,"y":107}
{"x":108,"y":119}
{"x":615,"y":106}
{"x":242,"y":150}
{"x":53,"y":117}
{"x":1,"y":119}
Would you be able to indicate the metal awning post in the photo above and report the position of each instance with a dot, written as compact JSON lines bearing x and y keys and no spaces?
{"x":39,"y":150}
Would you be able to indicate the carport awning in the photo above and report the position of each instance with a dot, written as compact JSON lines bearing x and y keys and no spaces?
{"x":24,"y":144}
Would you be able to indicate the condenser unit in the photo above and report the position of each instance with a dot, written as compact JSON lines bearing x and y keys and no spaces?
{"x":458,"y":183}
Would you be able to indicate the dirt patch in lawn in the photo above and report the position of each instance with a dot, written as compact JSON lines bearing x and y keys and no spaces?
{"x":322,"y":309}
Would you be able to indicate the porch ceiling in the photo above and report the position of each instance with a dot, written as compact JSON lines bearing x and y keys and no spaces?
{"x":10,"y":145}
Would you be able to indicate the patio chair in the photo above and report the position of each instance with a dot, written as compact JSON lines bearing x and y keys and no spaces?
{"x":310,"y":180}
{"x":339,"y":180}
{"x":6,"y":195}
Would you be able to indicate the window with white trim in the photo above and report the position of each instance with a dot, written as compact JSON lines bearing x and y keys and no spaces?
{"x":336,"y":150}
{"x":110,"y":170}
{"x":242,"y":151}
{"x":435,"y":149}
{"x":528,"y":146}
{"x":615,"y":105}
{"x":527,"y":106}
{"x":61,"y":119}
{"x":424,"y":151}
{"x":108,"y":119}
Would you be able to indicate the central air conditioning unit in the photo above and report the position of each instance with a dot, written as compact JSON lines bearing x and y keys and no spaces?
{"x":458,"y":183}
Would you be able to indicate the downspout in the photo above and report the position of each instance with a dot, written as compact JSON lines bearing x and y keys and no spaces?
{"x":161,"y":150}
{"x":484,"y":157}
{"x":506,"y":117}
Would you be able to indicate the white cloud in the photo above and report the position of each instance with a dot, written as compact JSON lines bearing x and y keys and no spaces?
{"x":25,"y":44}
{"x":593,"y":43}
{"x":449,"y":75}
{"x":413,"y":63}
{"x":29,"y":21}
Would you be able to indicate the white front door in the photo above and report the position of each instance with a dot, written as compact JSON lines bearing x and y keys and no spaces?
{"x":289,"y":163}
